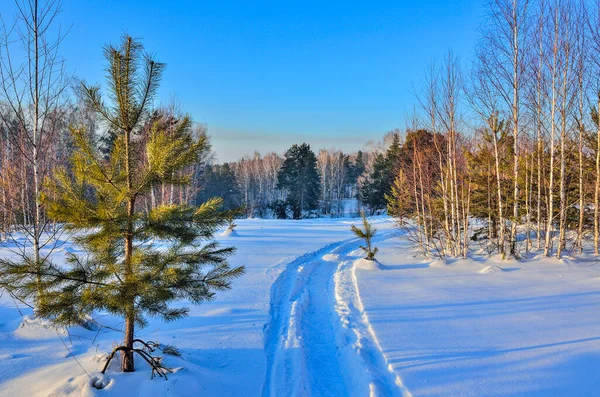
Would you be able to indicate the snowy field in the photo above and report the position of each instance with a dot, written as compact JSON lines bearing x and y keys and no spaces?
{"x":309,"y":318}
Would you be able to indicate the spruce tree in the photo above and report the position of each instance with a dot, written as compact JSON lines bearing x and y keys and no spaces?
{"x":359,"y":165}
{"x":136,"y":264}
{"x":377,"y":185}
{"x":392,"y":158}
{"x":355,"y":170}
{"x":299,"y":178}
{"x":219,"y":181}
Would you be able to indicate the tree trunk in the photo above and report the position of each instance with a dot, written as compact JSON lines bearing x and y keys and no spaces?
{"x":127,"y":364}
{"x":527,"y":206}
{"x":415,"y":191}
{"x":540,"y":143}
{"x":495,"y":128}
{"x":515,"y":114}
{"x":597,"y":187}
{"x":547,"y":247}
{"x":563,"y":137}
{"x":581,"y":94}
{"x":35,"y":158}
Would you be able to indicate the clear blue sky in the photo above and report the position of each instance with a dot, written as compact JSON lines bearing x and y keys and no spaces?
{"x":264,"y":75}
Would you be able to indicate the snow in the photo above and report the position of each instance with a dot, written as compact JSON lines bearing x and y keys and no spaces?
{"x":529,"y":330}
{"x":366,"y":264}
{"x":229,"y":233}
{"x":312,"y":318}
{"x":490,"y":269}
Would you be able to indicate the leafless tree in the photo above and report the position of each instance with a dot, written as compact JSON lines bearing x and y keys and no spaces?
{"x":32,"y":90}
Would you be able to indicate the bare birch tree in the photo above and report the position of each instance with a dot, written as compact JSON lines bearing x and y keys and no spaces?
{"x":33,"y":84}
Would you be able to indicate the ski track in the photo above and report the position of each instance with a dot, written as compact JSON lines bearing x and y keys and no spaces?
{"x":319,"y":341}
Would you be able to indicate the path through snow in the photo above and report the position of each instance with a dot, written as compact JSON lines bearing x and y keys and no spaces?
{"x":319,"y":341}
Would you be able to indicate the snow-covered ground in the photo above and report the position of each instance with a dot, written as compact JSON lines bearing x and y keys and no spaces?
{"x":484,"y":327}
{"x":309,"y":318}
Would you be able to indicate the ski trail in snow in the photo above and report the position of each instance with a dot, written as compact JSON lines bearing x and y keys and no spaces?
{"x":364,"y":348}
{"x":287,"y":371}
{"x":319,"y":341}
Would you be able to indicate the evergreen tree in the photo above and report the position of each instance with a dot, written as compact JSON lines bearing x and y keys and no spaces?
{"x":299,"y":178}
{"x":367,"y":234}
{"x":417,"y":164}
{"x":400,"y":202}
{"x":219,"y":181}
{"x":126,"y":270}
{"x":377,"y":185}
{"x":359,"y":165}
{"x":354,"y":172}
{"x":392,"y":158}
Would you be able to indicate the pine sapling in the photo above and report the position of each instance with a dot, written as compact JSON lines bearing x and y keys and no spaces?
{"x":367,"y":234}
{"x":231,"y":225}
{"x":137,"y":263}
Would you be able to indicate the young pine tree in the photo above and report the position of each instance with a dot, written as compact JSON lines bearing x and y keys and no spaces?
{"x":136,"y":263}
{"x":367,"y":234}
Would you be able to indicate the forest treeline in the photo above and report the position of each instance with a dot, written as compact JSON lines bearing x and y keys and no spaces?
{"x":302,"y":183}
{"x":502,"y":152}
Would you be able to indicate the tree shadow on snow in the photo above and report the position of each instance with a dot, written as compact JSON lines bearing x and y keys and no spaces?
{"x":406,"y":267}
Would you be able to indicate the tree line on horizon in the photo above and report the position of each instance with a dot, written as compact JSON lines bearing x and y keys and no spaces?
{"x":268,"y":186}
{"x":508,"y":140}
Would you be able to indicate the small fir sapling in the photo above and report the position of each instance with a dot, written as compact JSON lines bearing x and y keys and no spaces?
{"x":367,"y":234}
{"x":231,"y":224}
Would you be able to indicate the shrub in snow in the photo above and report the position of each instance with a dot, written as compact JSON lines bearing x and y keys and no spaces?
{"x":367,"y":234}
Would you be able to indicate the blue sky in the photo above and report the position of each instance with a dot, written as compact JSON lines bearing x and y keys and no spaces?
{"x":264,"y":75}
